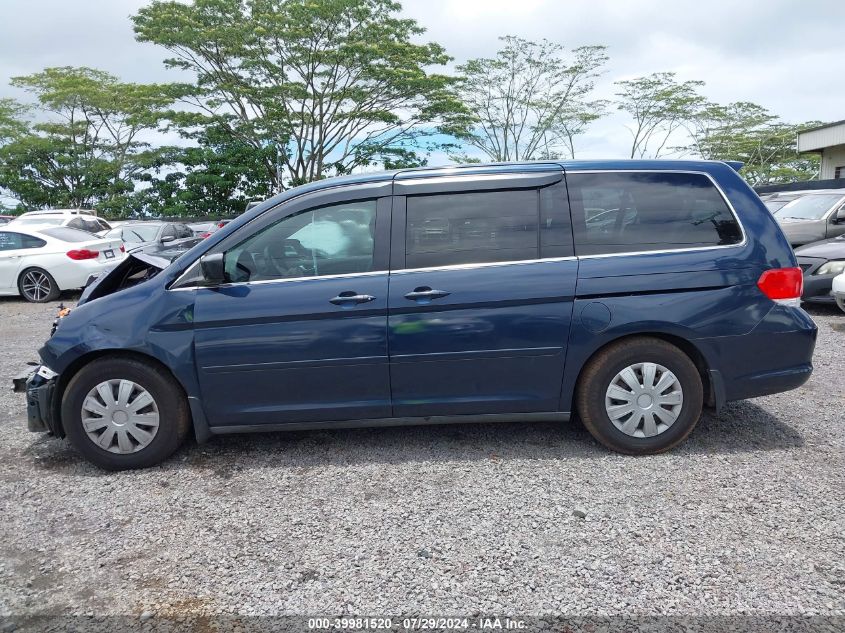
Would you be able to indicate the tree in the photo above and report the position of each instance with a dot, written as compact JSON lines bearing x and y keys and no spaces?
{"x":327,"y":86}
{"x":529,"y":101}
{"x":660,"y":106}
{"x":749,"y":133}
{"x":215,"y":177}
{"x":90,"y":148}
{"x":13,"y":123}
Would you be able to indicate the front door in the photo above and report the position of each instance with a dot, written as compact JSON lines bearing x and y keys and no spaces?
{"x":299,"y":332}
{"x":481,"y":295}
{"x":13,"y":248}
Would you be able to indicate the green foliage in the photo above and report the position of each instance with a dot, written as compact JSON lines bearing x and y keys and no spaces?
{"x":530,"y":100}
{"x":216,"y":177}
{"x":88,"y":151}
{"x":13,"y":122}
{"x":659,"y":106}
{"x":330,"y":85}
{"x":749,"y":133}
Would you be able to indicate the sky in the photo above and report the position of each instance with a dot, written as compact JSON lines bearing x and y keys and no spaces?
{"x":786,"y":55}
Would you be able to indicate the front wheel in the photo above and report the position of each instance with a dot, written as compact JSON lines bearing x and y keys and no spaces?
{"x":640,"y":396}
{"x":123,"y":413}
{"x":840,"y":301}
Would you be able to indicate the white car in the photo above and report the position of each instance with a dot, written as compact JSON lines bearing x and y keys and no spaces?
{"x":38,"y":263}
{"x":74,"y":218}
{"x":838,"y":290}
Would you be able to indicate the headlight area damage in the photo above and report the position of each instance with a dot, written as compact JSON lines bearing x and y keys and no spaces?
{"x":39,"y":381}
{"x":136,"y":268}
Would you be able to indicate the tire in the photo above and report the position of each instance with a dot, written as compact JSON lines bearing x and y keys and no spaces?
{"x":36,"y":285}
{"x":595,"y":397}
{"x":841,"y":303}
{"x":124,"y":433}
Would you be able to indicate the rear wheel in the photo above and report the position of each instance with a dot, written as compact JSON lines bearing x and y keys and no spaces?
{"x":841,"y":303}
{"x":124,"y":413}
{"x":38,"y":286}
{"x":640,"y":396}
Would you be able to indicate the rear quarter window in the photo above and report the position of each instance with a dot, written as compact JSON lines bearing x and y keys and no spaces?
{"x":648,"y":211}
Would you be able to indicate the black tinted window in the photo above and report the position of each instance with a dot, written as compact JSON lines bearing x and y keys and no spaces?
{"x":473,"y":227}
{"x":10,"y":241}
{"x":622,"y":212}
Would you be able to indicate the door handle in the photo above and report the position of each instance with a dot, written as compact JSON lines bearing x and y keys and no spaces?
{"x":424,"y":295}
{"x":350,"y":298}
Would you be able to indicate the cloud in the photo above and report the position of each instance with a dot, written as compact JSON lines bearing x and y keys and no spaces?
{"x":781,"y":54}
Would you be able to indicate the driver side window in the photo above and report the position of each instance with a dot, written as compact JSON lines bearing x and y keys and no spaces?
{"x":330,"y":240}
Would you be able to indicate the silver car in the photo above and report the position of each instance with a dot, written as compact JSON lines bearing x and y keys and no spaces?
{"x":814,"y":216}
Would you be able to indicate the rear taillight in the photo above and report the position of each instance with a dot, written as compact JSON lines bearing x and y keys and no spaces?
{"x":83,"y":253}
{"x":122,"y":248}
{"x":205,"y":235}
{"x":220,"y":225}
{"x":784,"y":285}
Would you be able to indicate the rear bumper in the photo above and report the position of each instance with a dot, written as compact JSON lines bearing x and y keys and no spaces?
{"x":39,"y":390}
{"x":776,"y":356}
{"x":817,"y":288}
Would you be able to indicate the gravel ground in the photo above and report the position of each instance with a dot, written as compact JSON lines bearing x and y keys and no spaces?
{"x":745,"y":518}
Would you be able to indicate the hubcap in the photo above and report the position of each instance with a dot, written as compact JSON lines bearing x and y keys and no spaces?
{"x":36,"y":285}
{"x":644,"y":400}
{"x":120,"y":416}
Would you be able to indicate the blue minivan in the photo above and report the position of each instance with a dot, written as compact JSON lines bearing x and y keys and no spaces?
{"x":630,"y":293}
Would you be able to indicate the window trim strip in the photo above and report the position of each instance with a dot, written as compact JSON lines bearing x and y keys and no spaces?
{"x":471,"y":266}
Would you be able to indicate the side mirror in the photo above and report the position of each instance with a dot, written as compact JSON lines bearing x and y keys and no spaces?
{"x":839,"y":216}
{"x":167,"y":238}
{"x":213,"y":268}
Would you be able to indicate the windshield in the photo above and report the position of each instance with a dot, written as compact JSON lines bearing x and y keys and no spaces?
{"x":812,"y":207}
{"x":54,"y":221}
{"x":138,"y":233}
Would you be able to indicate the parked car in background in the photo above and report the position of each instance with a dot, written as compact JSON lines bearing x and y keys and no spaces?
{"x":813,"y":216}
{"x":206,"y":229}
{"x":335,"y":304}
{"x":838,"y":291}
{"x":820,"y":263}
{"x":5,"y":219}
{"x":72,"y":218}
{"x":776,"y":201}
{"x":202,"y":229}
{"x":164,"y":239}
{"x":38,"y":263}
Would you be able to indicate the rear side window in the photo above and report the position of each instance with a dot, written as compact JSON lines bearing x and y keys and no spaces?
{"x":647,"y":211}
{"x":472,"y":227}
{"x":10,"y":241}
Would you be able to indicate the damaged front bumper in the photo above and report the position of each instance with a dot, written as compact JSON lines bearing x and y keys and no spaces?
{"x":39,"y":385}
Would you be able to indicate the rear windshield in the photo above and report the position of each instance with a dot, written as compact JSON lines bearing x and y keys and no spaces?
{"x":618,"y":212}
{"x":812,"y":207}
{"x":67,"y":234}
{"x":137,"y":233}
{"x":40,"y":220}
